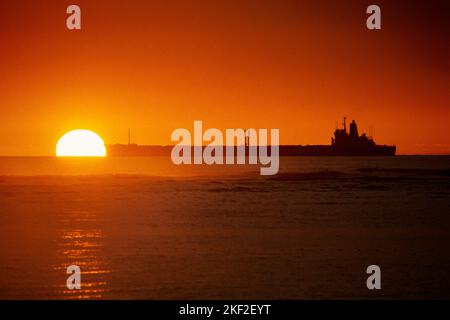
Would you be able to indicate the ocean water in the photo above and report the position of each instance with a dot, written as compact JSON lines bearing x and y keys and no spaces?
{"x":143,"y":228}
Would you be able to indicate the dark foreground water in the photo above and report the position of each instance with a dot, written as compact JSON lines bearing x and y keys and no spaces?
{"x":142,"y":228}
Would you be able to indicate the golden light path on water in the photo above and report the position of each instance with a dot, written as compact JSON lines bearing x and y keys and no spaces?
{"x":79,"y":242}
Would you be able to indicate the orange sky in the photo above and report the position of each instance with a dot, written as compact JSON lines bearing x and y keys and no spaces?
{"x":156,"y":66}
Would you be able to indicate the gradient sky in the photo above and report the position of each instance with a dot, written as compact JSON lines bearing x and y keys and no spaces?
{"x":156,"y":66}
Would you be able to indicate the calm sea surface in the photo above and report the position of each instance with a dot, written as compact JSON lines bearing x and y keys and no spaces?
{"x":144,"y":228}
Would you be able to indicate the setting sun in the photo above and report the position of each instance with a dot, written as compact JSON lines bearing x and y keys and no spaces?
{"x":80,"y":143}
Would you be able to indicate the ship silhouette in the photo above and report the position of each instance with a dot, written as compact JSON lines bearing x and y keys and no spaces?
{"x":344,"y":143}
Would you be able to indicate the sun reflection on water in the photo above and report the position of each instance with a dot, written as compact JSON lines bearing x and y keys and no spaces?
{"x":80,"y":243}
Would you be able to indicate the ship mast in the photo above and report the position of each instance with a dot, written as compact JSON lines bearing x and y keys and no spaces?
{"x":247,"y":138}
{"x":129,"y":136}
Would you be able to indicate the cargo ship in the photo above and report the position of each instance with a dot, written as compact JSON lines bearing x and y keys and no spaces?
{"x":344,"y":143}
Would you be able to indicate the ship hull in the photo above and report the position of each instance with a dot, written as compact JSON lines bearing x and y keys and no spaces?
{"x":333,"y":151}
{"x":286,"y":151}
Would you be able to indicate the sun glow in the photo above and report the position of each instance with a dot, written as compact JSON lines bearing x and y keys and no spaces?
{"x":80,"y":143}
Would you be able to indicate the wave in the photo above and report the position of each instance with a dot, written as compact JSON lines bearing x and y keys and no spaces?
{"x":313,"y":175}
{"x":437,"y":172}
